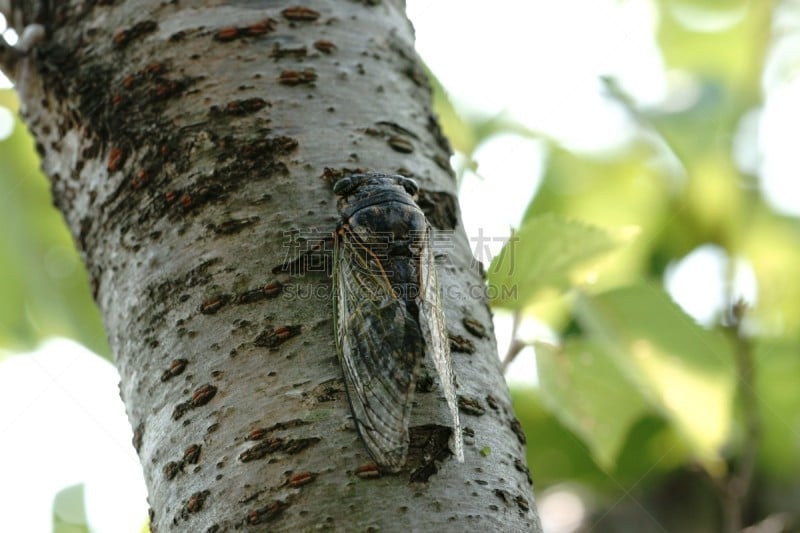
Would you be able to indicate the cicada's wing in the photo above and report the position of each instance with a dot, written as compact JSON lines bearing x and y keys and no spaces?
{"x":379,"y":349}
{"x":434,"y":331}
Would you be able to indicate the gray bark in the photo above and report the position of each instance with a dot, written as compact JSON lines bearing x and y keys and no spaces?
{"x":183,"y":139}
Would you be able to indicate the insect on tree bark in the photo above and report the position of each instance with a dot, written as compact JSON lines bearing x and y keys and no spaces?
{"x":387,"y":311}
{"x":183,"y":141}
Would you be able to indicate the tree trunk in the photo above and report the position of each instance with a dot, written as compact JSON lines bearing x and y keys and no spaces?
{"x":183,"y":143}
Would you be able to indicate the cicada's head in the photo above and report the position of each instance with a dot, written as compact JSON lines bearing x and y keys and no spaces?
{"x":358,"y":187}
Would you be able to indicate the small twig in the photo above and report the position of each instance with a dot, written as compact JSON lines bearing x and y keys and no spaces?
{"x":516,"y":345}
{"x":736,"y":487}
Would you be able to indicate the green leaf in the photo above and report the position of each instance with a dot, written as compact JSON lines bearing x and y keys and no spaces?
{"x":69,"y":514}
{"x":555,"y":454}
{"x":582,"y":386}
{"x":546,"y":253}
{"x":682,"y":369}
{"x":629,"y":189}
{"x":777,"y":366}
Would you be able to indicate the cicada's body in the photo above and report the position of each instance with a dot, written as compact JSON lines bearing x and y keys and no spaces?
{"x":387,"y":310}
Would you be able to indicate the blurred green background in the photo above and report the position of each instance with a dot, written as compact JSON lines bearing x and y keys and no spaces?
{"x":643,"y":417}
{"x":42,"y":281}
{"x":641,"y":414}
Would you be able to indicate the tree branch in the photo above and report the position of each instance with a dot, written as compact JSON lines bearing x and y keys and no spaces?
{"x":737,"y":486}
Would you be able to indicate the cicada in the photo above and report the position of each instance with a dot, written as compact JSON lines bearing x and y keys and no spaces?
{"x":387,"y":310}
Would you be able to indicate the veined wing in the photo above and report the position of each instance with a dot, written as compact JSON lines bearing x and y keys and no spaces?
{"x":379,"y":349}
{"x":434,"y":331}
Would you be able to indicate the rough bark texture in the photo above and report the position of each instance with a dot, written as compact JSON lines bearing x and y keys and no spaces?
{"x":183,"y":139}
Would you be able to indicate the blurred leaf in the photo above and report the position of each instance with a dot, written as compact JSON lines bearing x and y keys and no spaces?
{"x":772,"y":244}
{"x":555,"y":454}
{"x":714,"y":51}
{"x":69,"y":514}
{"x":458,"y":131}
{"x":777,"y":378}
{"x":724,"y":39}
{"x":681,"y":368}
{"x":585,"y":390}
{"x":546,"y":253}
{"x":618,"y":191}
{"x":466,"y":132}
{"x":715,"y":201}
{"x":43,"y":283}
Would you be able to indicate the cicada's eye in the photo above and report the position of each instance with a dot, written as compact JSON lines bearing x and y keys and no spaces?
{"x":343,"y":186}
{"x":409,"y":185}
